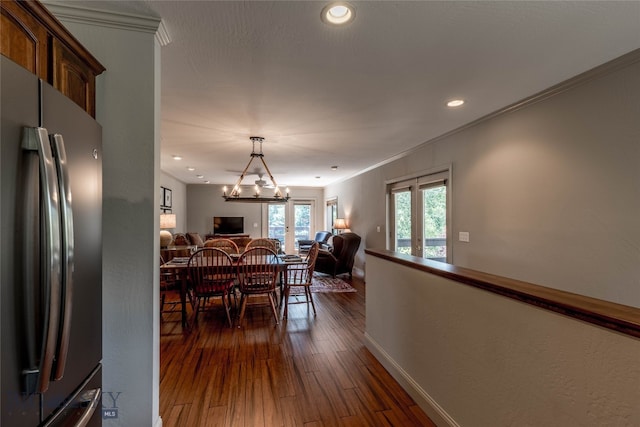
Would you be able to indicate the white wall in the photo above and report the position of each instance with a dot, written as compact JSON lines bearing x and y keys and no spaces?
{"x":204,"y":201}
{"x":128,"y":109}
{"x":473,"y":358}
{"x":549,"y":193}
{"x":179,"y":202}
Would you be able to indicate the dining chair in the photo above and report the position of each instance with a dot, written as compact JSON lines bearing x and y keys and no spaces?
{"x":258,"y":275}
{"x":211,"y":274}
{"x":299,"y":275}
{"x":262,"y":242}
{"x":168,"y":283}
{"x":226,"y":245}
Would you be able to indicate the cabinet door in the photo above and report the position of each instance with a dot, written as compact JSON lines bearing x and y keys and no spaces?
{"x":72,"y":77}
{"x":23,"y":39}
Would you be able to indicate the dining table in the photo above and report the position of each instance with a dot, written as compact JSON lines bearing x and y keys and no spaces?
{"x":179,"y":266}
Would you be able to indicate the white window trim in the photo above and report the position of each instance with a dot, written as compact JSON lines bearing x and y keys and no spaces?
{"x":417,"y":181}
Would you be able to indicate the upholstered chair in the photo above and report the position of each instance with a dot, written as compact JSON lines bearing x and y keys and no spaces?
{"x":321,"y":237}
{"x":339,"y":258}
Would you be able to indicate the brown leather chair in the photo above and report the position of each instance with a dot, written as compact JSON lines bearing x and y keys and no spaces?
{"x":339,"y":259}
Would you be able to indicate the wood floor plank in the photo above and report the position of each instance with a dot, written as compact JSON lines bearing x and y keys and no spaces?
{"x":215,"y":416}
{"x":363,"y":415}
{"x":270,"y":398}
{"x":305,"y":371}
{"x":421,"y":418}
{"x":329,"y":387}
{"x":236,"y":401}
{"x":292,"y":415}
{"x":339,"y":371}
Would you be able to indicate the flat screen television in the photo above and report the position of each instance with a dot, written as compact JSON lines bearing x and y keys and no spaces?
{"x":228,"y":224}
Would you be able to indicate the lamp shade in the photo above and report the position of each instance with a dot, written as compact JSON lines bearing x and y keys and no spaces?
{"x":340,"y":224}
{"x":167,"y":221}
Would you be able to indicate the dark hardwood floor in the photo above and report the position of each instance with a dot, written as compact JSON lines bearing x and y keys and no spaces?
{"x":305,"y":371}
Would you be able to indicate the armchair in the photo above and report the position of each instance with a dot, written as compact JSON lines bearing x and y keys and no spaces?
{"x":321,"y":237}
{"x":339,"y":259}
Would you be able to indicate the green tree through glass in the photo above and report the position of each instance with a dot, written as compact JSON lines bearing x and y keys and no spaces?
{"x":435,"y":222}
{"x":403,"y":221}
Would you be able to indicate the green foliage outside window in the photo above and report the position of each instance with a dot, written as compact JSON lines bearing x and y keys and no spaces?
{"x":435,"y":221}
{"x":403,"y":221}
{"x":434,"y":215}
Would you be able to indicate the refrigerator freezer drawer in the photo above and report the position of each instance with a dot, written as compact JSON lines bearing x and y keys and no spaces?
{"x":82,"y":409}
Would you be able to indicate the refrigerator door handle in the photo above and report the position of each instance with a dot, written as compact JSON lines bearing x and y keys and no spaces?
{"x":36,"y":139}
{"x":67,"y":254}
{"x":89,"y":401}
{"x":78,"y":411}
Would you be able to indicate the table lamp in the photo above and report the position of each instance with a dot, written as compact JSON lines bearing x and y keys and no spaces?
{"x":166,"y":221}
{"x":340,"y":224}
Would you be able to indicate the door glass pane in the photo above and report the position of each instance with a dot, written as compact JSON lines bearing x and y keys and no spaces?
{"x":276,"y":223}
{"x":402,"y":221}
{"x":434,"y":211}
{"x":302,"y":221}
{"x":332,"y":214}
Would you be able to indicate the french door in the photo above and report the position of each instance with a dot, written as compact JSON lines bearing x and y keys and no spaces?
{"x":331,"y":213}
{"x":418,"y":216}
{"x":290,"y":222}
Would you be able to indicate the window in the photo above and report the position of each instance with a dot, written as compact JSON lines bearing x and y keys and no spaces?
{"x":402,"y":220}
{"x":418,"y":216}
{"x":290,"y":222}
{"x":434,"y":221}
{"x":331,"y":214}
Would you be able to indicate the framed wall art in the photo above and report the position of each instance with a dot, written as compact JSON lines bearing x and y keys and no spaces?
{"x":165,"y":197}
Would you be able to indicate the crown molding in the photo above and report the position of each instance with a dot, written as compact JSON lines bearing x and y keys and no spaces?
{"x":608,"y":67}
{"x":162,"y":35}
{"x":125,"y":21}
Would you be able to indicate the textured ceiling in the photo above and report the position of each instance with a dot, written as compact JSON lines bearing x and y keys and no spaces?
{"x":357,"y":95}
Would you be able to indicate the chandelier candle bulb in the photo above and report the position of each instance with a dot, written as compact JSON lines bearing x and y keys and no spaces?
{"x":234,"y":196}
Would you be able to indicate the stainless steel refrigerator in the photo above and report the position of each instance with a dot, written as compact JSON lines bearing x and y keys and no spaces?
{"x":51,"y":256}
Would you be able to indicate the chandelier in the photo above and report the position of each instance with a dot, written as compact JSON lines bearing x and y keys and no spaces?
{"x":257,"y":197}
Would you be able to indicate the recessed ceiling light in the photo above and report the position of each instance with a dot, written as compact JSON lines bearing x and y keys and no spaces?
{"x":190,"y":168}
{"x":207,"y":182}
{"x":334,"y":168}
{"x":455,"y":103}
{"x":338,"y":13}
{"x":175,"y":157}
{"x":200,"y":176}
{"x":317,"y":177}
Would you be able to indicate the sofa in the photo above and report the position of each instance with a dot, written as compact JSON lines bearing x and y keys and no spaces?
{"x":322,"y":237}
{"x":187,"y":239}
{"x":338,"y":259}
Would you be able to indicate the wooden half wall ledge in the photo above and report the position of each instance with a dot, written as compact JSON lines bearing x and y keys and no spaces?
{"x":617,"y":317}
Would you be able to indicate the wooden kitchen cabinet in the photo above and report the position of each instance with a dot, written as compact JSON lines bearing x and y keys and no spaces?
{"x":32,"y":37}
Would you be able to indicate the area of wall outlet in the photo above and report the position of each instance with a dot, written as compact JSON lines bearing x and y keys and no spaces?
{"x":378,"y":229}
{"x":463,"y":236}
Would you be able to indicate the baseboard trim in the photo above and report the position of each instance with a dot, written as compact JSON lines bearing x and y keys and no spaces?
{"x":434,"y":411}
{"x":158,"y":422}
